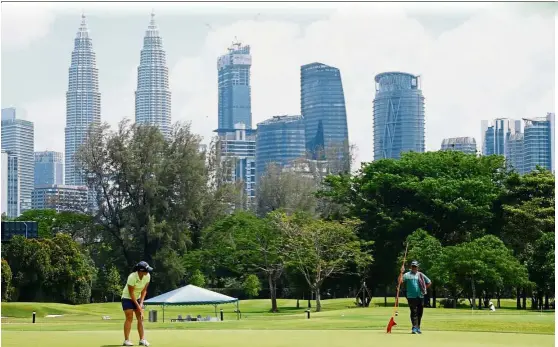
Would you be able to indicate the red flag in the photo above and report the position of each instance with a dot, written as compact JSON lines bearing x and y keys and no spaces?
{"x":391,"y":324}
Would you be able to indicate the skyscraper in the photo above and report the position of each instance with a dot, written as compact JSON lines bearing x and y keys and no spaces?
{"x":238,"y":149}
{"x":539,"y":143}
{"x":398,"y":115}
{"x":83,"y":102}
{"x":153,"y":97}
{"x":322,"y":103}
{"x":14,"y":186}
{"x":467,"y":145}
{"x":18,"y":139}
{"x":279,"y":140}
{"x":515,"y":152}
{"x":4,"y":184}
{"x":497,"y":134}
{"x":48,"y":168}
{"x":235,"y":100}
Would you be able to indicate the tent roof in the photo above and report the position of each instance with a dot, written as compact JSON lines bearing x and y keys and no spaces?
{"x":190,"y":295}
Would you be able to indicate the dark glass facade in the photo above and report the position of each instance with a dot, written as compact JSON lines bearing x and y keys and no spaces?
{"x":235,"y":103}
{"x":17,"y":228}
{"x":398,"y":115}
{"x":322,"y":104}
{"x":279,"y":140}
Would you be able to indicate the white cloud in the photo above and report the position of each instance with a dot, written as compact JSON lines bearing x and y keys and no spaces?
{"x":24,"y":23}
{"x":497,"y":64}
{"x":49,"y":118}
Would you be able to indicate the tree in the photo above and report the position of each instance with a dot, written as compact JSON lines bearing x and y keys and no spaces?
{"x":289,"y":190}
{"x":79,"y":226}
{"x":251,"y":285}
{"x":71,"y":272}
{"x":154,"y":194}
{"x":244,"y":243}
{"x":541,"y":267}
{"x":526,"y":212}
{"x":30,"y":265}
{"x":53,"y":269}
{"x":449,"y":194}
{"x":113,"y":283}
{"x":482,"y":265}
{"x":427,"y":250}
{"x":44,"y":218}
{"x":197,"y":279}
{"x":6,"y":280}
{"x":321,"y":249}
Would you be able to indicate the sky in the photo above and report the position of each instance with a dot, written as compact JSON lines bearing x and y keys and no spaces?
{"x":476,"y":60}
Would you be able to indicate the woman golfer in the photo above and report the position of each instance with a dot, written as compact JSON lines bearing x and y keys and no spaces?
{"x":133,"y":296}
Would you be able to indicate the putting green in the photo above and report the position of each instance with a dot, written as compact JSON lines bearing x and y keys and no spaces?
{"x":275,"y":338}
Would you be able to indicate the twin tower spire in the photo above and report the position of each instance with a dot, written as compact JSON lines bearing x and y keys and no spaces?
{"x":83,"y":99}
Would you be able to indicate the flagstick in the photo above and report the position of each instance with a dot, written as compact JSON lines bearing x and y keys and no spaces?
{"x":399,"y":283}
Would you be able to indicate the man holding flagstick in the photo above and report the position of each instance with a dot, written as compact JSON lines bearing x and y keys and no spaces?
{"x":416,"y":284}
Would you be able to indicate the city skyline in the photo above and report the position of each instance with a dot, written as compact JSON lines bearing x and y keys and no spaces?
{"x":444,"y":54}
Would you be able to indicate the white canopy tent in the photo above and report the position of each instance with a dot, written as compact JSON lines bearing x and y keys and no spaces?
{"x":191,"y":295}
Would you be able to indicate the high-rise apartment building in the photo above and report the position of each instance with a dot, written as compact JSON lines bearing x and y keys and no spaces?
{"x":467,"y":145}
{"x":398,"y":115}
{"x":83,"y":102}
{"x":238,"y":152}
{"x":153,"y":96}
{"x":322,"y":103}
{"x":539,"y":142}
{"x":18,"y":139}
{"x":235,"y":99}
{"x":49,"y":168}
{"x":280,"y":140}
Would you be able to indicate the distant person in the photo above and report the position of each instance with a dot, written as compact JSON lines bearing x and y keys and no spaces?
{"x":416,"y":284}
{"x":133,"y":295}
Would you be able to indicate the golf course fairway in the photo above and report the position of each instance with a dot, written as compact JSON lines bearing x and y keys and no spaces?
{"x":338,"y":325}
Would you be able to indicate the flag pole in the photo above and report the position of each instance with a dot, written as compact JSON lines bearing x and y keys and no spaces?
{"x":399,"y":281}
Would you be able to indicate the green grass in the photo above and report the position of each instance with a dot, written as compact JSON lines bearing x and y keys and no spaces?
{"x":339,"y":324}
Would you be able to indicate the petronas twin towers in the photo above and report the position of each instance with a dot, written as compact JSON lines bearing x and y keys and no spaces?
{"x":83,"y":99}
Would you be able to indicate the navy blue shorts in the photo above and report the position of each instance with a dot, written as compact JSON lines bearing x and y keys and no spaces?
{"x":128,"y":304}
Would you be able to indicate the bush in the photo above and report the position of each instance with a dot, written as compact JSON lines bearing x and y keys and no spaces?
{"x":197,"y":279}
{"x":251,"y":286}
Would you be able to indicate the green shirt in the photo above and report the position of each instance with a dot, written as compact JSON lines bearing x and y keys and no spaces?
{"x":411,"y":281}
{"x":137,"y":283}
